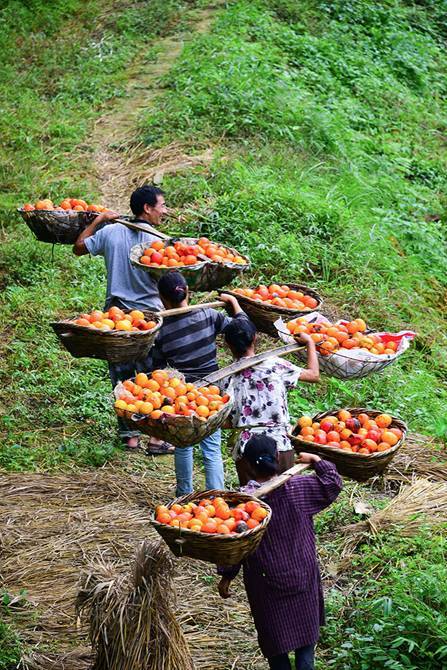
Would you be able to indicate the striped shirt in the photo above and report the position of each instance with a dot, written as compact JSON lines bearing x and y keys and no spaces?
{"x":187,"y":342}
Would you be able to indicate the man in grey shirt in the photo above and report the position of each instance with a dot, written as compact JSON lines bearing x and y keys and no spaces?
{"x":127,"y":286}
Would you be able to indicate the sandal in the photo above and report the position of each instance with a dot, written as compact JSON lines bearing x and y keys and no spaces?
{"x":162,"y":449}
{"x":125,"y":441}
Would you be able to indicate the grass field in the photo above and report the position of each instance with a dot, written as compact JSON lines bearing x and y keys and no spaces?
{"x":327,"y":124}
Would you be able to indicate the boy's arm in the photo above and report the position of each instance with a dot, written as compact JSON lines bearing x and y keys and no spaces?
{"x":79,"y":247}
{"x":312,"y":373}
{"x":221,"y":320}
{"x":231,"y":301}
{"x":158,"y":358}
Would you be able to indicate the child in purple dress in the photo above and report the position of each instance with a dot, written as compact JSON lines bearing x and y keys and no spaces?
{"x":282,"y":577}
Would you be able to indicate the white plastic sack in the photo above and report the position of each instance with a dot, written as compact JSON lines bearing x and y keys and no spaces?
{"x":350,"y":363}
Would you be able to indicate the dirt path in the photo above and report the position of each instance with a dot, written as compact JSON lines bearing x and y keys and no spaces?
{"x":120,"y":163}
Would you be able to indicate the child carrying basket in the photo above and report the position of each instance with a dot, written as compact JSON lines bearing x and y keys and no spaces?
{"x":260,"y":394}
{"x":281,"y":576}
{"x":187,"y":343}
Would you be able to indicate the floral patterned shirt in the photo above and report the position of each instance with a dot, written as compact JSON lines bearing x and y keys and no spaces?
{"x":260,"y":402}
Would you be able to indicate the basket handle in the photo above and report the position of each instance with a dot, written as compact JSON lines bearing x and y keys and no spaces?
{"x":180,"y":541}
{"x":278,"y":481}
{"x":190,"y":308}
{"x":245,"y":363}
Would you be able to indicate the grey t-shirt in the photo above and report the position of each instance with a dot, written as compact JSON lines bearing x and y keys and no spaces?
{"x":133,"y":288}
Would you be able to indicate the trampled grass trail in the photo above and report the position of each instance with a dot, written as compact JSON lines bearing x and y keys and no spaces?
{"x":265,"y":124}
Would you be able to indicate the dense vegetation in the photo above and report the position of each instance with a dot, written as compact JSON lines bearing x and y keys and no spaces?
{"x":328,"y":125}
{"x":334,"y":167}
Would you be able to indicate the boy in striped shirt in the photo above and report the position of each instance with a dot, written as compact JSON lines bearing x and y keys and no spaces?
{"x":187,"y":343}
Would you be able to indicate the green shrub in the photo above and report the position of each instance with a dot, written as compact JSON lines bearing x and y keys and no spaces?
{"x":397,"y":622}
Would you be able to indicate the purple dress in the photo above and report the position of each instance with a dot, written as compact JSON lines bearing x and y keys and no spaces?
{"x":281,"y":577}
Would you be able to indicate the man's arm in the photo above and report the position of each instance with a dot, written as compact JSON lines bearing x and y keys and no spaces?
{"x":79,"y":247}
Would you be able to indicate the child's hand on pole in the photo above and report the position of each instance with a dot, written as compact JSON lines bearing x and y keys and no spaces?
{"x":303,"y":338}
{"x":231,"y":301}
{"x":304,"y":457}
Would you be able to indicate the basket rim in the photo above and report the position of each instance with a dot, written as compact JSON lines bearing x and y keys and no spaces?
{"x":281,"y":310}
{"x":51,"y":211}
{"x":112,"y":333}
{"x":378,"y":358}
{"x":353,"y":454}
{"x":196,"y":266}
{"x":140,"y":417}
{"x":214,"y":536}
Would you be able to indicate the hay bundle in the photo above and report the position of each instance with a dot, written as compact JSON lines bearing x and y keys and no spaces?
{"x":132,"y":622}
{"x":421,"y":457}
{"x":422,"y":503}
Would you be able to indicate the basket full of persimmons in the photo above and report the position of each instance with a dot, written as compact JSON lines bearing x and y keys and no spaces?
{"x":347,"y":349}
{"x":361,"y":442}
{"x":265,"y":304}
{"x":115,"y":335}
{"x":221,"y":527}
{"x":163,"y":405}
{"x":205,"y":265}
{"x":59,"y":224}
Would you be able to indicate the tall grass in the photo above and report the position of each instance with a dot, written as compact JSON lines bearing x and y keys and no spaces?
{"x":330,"y":119}
{"x":61,"y":63}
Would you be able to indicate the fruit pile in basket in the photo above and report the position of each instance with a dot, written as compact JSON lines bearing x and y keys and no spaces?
{"x":115,"y":319}
{"x":332,"y":337}
{"x":279,"y":296}
{"x":213,"y":515}
{"x":361,"y":434}
{"x":179,"y":254}
{"x":74,"y":204}
{"x":160,"y":393}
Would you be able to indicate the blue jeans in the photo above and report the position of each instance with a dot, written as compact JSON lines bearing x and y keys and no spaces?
{"x":212,"y":460}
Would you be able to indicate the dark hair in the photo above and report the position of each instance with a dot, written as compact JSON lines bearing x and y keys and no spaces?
{"x":145,"y":195}
{"x":239,"y":335}
{"x":260,"y":452}
{"x":173,"y":287}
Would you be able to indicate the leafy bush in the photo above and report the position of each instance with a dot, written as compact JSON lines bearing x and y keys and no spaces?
{"x":397,"y":622}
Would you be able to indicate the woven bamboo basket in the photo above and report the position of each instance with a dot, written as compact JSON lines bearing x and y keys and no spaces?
{"x":213,"y":548}
{"x":115,"y":346}
{"x":264,"y":316}
{"x":204,"y":276}
{"x":57,"y":226}
{"x":181,"y":431}
{"x":360,"y":467}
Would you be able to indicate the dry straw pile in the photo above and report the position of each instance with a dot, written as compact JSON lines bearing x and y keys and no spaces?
{"x":132,"y":620}
{"x":420,"y":457}
{"x":52,"y":528}
{"x":421,"y":503}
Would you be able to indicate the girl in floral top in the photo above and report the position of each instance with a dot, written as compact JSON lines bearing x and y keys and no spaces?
{"x":260,"y":394}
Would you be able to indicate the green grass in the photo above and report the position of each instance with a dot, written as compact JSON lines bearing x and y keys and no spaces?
{"x":331,"y":169}
{"x":62,"y":62}
{"x":10,"y":648}
{"x":397,"y":622}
